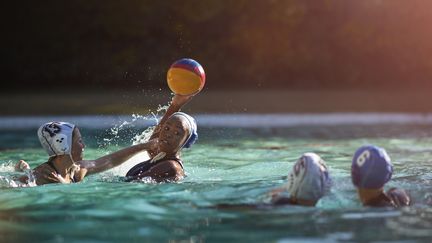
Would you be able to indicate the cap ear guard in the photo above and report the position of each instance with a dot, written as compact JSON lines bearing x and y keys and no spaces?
{"x":192,"y":139}
{"x":56,"y":137}
{"x":193,"y":136}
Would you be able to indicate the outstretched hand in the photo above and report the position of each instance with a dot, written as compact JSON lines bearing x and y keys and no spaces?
{"x":59,"y":178}
{"x":22,"y":166}
{"x":177,"y":102}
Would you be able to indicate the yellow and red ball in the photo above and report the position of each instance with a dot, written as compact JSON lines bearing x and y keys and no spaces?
{"x":185,"y":77}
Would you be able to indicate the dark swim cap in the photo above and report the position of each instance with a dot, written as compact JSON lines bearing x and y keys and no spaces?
{"x":371,"y":167}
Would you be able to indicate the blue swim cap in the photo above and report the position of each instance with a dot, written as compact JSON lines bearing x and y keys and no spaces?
{"x":371,"y":167}
{"x":193,"y":133}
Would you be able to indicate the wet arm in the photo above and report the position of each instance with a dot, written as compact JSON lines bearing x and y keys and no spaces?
{"x":276,"y":193}
{"x":280,"y":196}
{"x":178,"y":101}
{"x":114,"y":159}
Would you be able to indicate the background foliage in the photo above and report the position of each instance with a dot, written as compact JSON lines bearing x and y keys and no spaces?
{"x":242,"y":44}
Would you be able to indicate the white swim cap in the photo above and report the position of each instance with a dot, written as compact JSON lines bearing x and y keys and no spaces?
{"x":56,"y":137}
{"x":309,"y":178}
{"x":193,"y":133}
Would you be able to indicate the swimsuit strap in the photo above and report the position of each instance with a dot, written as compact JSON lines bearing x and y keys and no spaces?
{"x":147,"y":165}
{"x":178,"y":161}
{"x":50,"y":163}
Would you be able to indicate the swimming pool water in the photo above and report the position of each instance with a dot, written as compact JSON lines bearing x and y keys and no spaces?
{"x":227,"y":165}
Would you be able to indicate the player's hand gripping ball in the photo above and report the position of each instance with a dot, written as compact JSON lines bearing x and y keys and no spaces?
{"x":186,"y":77}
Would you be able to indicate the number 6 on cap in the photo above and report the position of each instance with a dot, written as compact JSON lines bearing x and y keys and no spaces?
{"x":362,"y":158}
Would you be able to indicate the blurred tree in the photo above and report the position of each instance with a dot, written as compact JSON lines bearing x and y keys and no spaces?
{"x":331,"y":44}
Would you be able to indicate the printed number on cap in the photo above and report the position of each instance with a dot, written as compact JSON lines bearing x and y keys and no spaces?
{"x":363,"y":157}
{"x":299,"y":166}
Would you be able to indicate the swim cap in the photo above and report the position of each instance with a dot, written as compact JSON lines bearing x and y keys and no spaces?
{"x":193,"y":134}
{"x":371,"y":167}
{"x":309,"y":178}
{"x":56,"y":137}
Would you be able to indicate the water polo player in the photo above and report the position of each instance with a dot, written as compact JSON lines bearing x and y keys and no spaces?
{"x":371,"y":169}
{"x":63,"y":143}
{"x":308,"y":182}
{"x":175,"y":131}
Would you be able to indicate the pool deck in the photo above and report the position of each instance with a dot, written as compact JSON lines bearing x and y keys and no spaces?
{"x":215,"y":102}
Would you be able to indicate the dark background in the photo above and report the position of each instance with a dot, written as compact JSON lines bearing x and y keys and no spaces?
{"x":242,"y":44}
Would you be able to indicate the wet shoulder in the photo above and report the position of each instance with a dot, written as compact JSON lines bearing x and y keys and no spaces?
{"x":171,"y":167}
{"x":147,"y":166}
{"x":399,"y":197}
{"x":43,"y":169}
{"x":43,"y":174}
{"x":167,"y":171}
{"x":160,"y":171}
{"x":395,"y":197}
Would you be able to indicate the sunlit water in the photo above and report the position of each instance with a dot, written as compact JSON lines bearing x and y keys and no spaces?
{"x":227,"y":165}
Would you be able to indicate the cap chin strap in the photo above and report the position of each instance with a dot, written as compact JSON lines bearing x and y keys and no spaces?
{"x":190,"y":139}
{"x":184,"y":141}
{"x":159,"y":156}
{"x":74,"y":167}
{"x":162,"y":154}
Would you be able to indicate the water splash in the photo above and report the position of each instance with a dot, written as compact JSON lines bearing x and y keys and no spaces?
{"x":114,"y":134}
{"x":145,"y":135}
{"x":10,"y":178}
{"x":8,"y":166}
{"x":117,"y":133}
{"x":6,"y":182}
